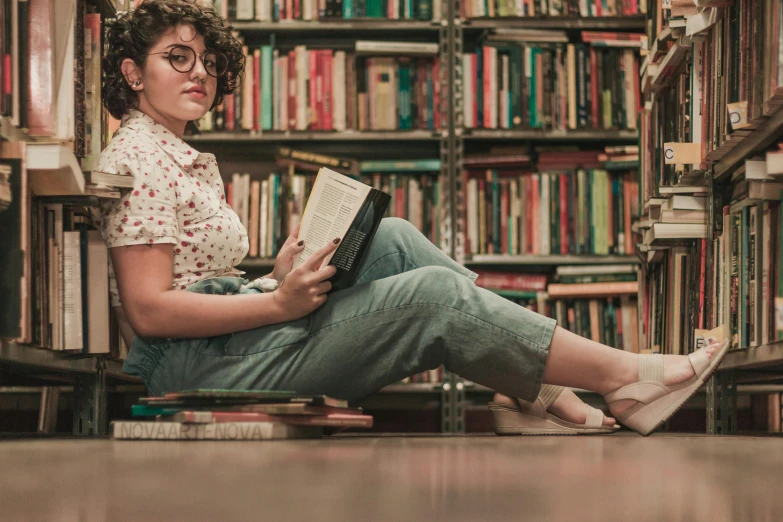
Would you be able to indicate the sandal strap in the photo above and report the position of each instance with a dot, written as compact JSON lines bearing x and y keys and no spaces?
{"x":595,"y":418}
{"x":651,"y":368}
{"x":549,"y":394}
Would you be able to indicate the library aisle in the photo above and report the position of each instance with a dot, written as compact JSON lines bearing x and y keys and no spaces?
{"x":397,"y":478}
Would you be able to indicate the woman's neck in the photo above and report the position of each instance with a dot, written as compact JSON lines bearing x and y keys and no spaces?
{"x":176,"y":127}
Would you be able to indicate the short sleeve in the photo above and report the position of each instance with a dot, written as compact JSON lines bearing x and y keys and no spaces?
{"x":145,"y":214}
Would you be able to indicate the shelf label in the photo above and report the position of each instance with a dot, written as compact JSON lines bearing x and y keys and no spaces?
{"x":681,"y":153}
{"x":738,"y":115}
{"x":666,"y":5}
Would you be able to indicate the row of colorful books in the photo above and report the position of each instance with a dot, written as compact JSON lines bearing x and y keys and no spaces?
{"x":570,"y":212}
{"x":533,"y":8}
{"x":597,"y":302}
{"x":515,"y":81}
{"x":320,"y":89}
{"x":309,"y":10}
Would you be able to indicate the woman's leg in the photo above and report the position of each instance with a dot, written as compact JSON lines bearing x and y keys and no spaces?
{"x":398,"y":247}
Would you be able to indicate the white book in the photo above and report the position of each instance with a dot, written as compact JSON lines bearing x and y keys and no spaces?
{"x":468,"y":88}
{"x":284,"y":86}
{"x":148,"y":430}
{"x":98,"y":305}
{"x":544,"y":215}
{"x":72,"y":292}
{"x":302,"y":72}
{"x":697,"y":91}
{"x":244,"y":9}
{"x":248,"y":84}
{"x":397,"y":48}
{"x":756,"y":170}
{"x":338,"y":92}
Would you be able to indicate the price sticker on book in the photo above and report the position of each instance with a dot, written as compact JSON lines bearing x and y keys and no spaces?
{"x":686,"y":153}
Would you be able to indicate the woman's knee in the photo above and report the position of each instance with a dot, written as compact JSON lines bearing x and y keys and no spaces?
{"x":439,"y":280}
{"x":395,"y":227}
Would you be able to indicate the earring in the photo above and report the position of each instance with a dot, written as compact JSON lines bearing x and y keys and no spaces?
{"x":136,"y":83}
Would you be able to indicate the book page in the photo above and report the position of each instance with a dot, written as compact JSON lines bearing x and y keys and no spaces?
{"x":332,"y":206}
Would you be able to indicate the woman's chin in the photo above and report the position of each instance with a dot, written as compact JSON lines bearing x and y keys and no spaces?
{"x":193,"y":111}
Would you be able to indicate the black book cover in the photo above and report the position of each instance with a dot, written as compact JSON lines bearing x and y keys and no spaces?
{"x":11,"y":256}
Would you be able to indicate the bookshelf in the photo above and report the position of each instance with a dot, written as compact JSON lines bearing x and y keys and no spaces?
{"x":708,"y":85}
{"x":451,"y":142}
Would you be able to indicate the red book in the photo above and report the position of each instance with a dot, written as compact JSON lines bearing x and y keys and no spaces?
{"x":328,"y":107}
{"x":313,"y":121}
{"x":229,"y":193}
{"x":511,"y":281}
{"x":598,"y":7}
{"x":40,"y":68}
{"x":535,"y":222}
{"x":257,"y":89}
{"x":8,"y":87}
{"x":297,"y":9}
{"x":229,"y":112}
{"x":487,"y":79}
{"x":399,"y":201}
{"x":292,"y":90}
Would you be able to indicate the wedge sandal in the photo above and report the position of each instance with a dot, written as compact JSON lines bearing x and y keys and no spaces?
{"x":527,"y":418}
{"x":657,"y":402}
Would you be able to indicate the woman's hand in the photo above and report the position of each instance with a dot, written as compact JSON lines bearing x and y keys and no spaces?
{"x":285,"y":258}
{"x":304,"y":289}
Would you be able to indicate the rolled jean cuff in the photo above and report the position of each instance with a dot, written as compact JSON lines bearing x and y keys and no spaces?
{"x":542,"y":351}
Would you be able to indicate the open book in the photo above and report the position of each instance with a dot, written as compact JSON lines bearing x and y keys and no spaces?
{"x":341,"y":207}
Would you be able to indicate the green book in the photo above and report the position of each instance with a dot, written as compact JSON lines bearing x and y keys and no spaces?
{"x":423,"y":165}
{"x":266,"y":87}
{"x":743,"y":278}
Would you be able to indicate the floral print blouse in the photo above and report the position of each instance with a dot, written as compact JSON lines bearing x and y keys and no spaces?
{"x":177,"y":198}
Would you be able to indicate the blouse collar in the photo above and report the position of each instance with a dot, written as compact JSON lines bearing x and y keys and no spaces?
{"x":180,"y":151}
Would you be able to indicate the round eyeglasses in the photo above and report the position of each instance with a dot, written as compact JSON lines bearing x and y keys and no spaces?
{"x":182,"y":59}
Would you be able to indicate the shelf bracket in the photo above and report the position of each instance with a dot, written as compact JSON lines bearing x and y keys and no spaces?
{"x":89,"y":402}
{"x":722,"y":403}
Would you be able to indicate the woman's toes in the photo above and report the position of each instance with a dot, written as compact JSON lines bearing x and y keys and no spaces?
{"x":609,"y":421}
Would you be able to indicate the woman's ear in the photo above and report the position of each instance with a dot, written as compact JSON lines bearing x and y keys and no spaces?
{"x":132,"y":74}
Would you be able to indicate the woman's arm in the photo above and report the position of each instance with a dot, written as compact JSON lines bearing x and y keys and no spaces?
{"x":154,"y":309}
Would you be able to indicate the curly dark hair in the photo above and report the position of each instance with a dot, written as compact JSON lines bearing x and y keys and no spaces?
{"x":133,"y":33}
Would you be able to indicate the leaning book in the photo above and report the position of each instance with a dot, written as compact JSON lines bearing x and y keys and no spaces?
{"x":342,"y":207}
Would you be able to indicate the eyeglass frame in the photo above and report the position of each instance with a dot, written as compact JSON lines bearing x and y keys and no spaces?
{"x":198,"y":57}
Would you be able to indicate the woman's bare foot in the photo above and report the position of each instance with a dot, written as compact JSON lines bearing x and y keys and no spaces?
{"x":676,"y":369}
{"x":567,"y":406}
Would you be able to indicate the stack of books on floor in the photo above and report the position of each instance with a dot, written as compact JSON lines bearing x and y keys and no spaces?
{"x":238,"y":415}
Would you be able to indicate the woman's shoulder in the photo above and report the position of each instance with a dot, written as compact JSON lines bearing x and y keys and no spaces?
{"x":126,"y":150}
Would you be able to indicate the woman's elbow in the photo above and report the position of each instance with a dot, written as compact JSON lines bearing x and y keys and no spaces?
{"x":145,"y":319}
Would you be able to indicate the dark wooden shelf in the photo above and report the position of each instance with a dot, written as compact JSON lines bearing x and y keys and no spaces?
{"x":238,"y":137}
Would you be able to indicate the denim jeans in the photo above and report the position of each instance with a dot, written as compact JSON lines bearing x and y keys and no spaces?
{"x":411,"y":309}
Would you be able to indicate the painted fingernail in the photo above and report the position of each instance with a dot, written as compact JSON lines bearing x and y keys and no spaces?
{"x":300,"y":243}
{"x":336,"y":240}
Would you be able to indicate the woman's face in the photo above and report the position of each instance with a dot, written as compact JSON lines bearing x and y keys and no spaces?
{"x":172,"y":97}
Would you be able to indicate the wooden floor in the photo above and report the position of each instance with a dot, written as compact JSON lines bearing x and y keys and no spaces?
{"x":622,"y":477}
